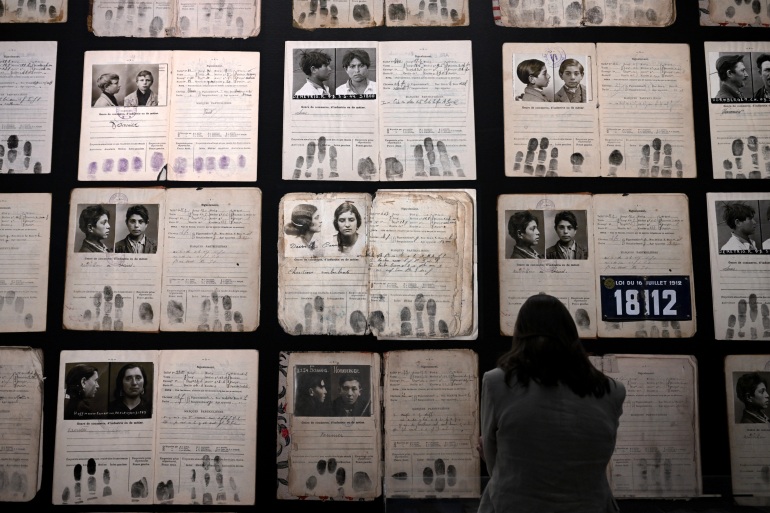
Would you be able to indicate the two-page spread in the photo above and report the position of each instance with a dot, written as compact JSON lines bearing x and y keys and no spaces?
{"x":192,"y":115}
{"x":26,"y":106}
{"x":739,"y":251}
{"x":621,"y":264}
{"x":400,"y":266}
{"x":175,"y":18}
{"x":330,"y":427}
{"x":174,"y":260}
{"x":584,"y":13}
{"x":607,"y":109}
{"x":738,"y":88}
{"x":314,"y":14}
{"x":156,"y":427}
{"x":370,"y":110}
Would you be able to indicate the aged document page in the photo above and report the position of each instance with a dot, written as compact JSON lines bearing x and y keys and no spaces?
{"x":731,"y":13}
{"x":206,"y":438}
{"x":128,"y":134}
{"x":551,"y":109}
{"x":181,"y":18}
{"x":646,"y":114}
{"x":431,"y":424}
{"x":746,"y":378}
{"x":21,"y":422}
{"x":105,"y":450}
{"x":426,"y":111}
{"x":54,"y":11}
{"x":27,"y":83}
{"x":334,"y":420}
{"x":25,"y":232}
{"x":530,"y":231}
{"x":313,"y":14}
{"x":422,"y":261}
{"x":739,"y":251}
{"x":657,"y":453}
{"x":427,"y":13}
{"x":589,"y":13}
{"x":378,"y":111}
{"x":323,"y":278}
{"x":211,"y":260}
{"x":644,"y":238}
{"x":109,"y":286}
{"x":738,"y":75}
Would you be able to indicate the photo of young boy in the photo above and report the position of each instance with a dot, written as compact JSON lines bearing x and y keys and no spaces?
{"x":572,"y":73}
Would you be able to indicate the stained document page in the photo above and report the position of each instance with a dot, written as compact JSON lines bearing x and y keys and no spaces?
{"x":113,"y":18}
{"x":323,"y":277}
{"x":421,"y":265}
{"x":739,"y":108}
{"x":203,"y":18}
{"x":657,"y":453}
{"x":739,"y":255}
{"x":430,"y":13}
{"x":645,"y":13}
{"x":313,"y":14}
{"x":645,"y":237}
{"x":105,"y":449}
{"x":431,"y":424}
{"x":426,"y":111}
{"x":552,"y":124}
{"x":109,"y":286}
{"x":21,"y":422}
{"x":646,"y":119}
{"x":25,"y":232}
{"x":27,"y":83}
{"x":335,"y":432}
{"x":213,"y":132}
{"x":54,"y":11}
{"x":206,"y":439}
{"x":211,"y":262}
{"x":545,"y":244}
{"x":120,"y":139}
{"x":749,"y":433}
{"x":730,"y":13}
{"x":330,"y":128}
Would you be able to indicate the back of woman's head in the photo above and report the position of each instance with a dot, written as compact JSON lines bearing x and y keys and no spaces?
{"x":547,"y":350}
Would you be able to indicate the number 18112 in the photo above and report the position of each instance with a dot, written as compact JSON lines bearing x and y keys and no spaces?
{"x":633,"y":303}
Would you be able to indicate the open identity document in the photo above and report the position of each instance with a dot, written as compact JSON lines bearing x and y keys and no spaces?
{"x":33,"y":11}
{"x":606,"y":109}
{"x":331,"y":440}
{"x":21,"y":422}
{"x":730,"y":13}
{"x":156,"y":427}
{"x":367,"y":110}
{"x":657,"y":452}
{"x":739,"y":251}
{"x":27,"y":83}
{"x":175,"y":18}
{"x":584,"y":13}
{"x":620,"y":263}
{"x":746,"y":378}
{"x":402,"y":265}
{"x":313,"y":14}
{"x":147,"y":115}
{"x":25,"y":236}
{"x":174,"y":260}
{"x":738,"y":88}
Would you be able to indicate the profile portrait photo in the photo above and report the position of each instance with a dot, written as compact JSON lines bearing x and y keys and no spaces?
{"x":129,"y":85}
{"x":341,"y":73}
{"x":524,"y":237}
{"x":739,"y":77}
{"x":541,"y":78}
{"x":136,"y":228}
{"x":325,"y":227}
{"x":566,"y":235}
{"x":751,"y":397}
{"x":743,"y":226}
{"x":312,"y":387}
{"x":107,"y":390}
{"x":351,"y":391}
{"x":95,"y":228}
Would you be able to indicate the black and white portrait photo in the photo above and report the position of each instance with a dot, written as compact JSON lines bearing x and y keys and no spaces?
{"x":115,"y":390}
{"x":742,"y":226}
{"x":334,"y":73}
{"x":312,"y":387}
{"x":95,"y":233}
{"x":566,"y":235}
{"x":351,"y":391}
{"x":524,"y":237}
{"x":549,"y":78}
{"x":739,"y":77}
{"x":136,"y":229}
{"x":129,"y":85}
{"x":751,"y":397}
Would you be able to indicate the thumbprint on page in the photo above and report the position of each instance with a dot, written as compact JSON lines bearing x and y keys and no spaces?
{"x":164,"y":492}
{"x":750,"y":319}
{"x":450,"y":166}
{"x":421,"y":307}
{"x":12,"y":311}
{"x":328,"y":472}
{"x":440,"y":475}
{"x":18,"y":160}
{"x":14,"y":482}
{"x":75,"y":494}
{"x":756,"y":166}
{"x":315,"y":161}
{"x":539,"y":161}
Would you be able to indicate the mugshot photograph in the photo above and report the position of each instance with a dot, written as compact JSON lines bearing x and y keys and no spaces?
{"x":143,"y":95}
{"x":737,"y":226}
{"x":352,"y":397}
{"x":731,"y":78}
{"x":534,"y":81}
{"x":132,"y":392}
{"x":751,"y":390}
{"x":523,"y":229}
{"x":95,"y":233}
{"x":358,"y":66}
{"x":107,"y":86}
{"x":304,"y":228}
{"x":571,"y":74}
{"x":313,"y":72}
{"x":347,"y":222}
{"x":142,"y":228}
{"x":84,"y":396}
{"x":311,"y":394}
{"x":568,"y":240}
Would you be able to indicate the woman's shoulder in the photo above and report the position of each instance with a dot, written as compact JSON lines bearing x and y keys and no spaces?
{"x":494,"y":377}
